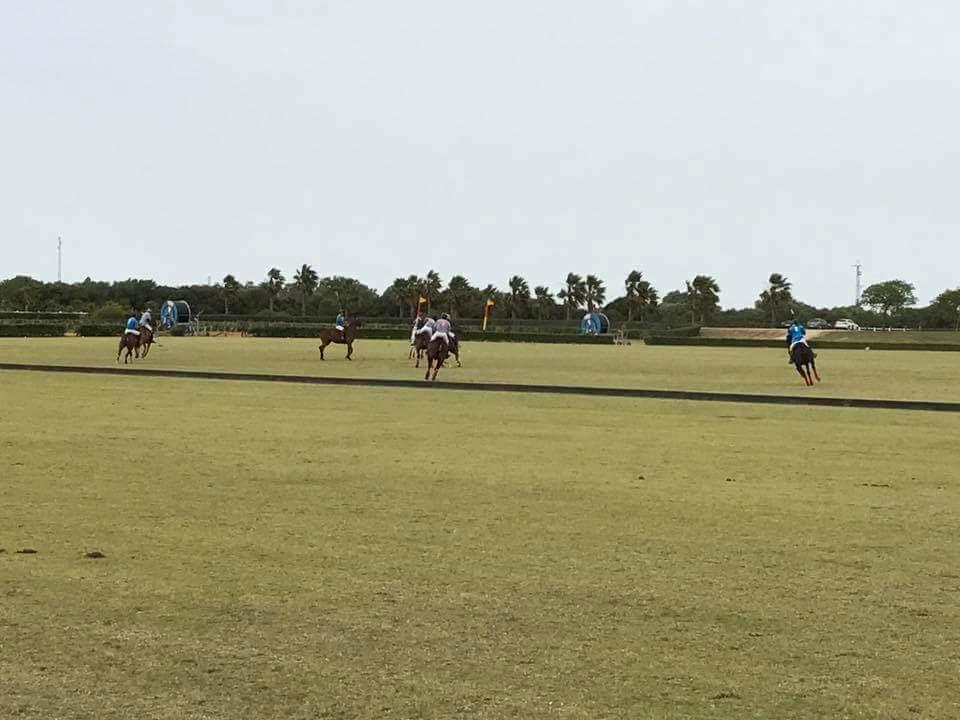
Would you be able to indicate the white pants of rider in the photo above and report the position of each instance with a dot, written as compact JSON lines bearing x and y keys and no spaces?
{"x":339,"y":328}
{"x":147,"y":326}
{"x":128,"y":331}
{"x":802,"y":341}
{"x":443,"y":335}
{"x":425,"y":330}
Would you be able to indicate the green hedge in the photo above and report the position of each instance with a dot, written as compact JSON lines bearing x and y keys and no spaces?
{"x":552,"y":338}
{"x":288,"y":330}
{"x":18,"y":315}
{"x":781,"y":345}
{"x":32,"y":330}
{"x":313,"y":331}
{"x":99,"y":329}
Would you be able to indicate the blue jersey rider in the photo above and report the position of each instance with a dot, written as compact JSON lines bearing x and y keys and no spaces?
{"x":341,"y":322}
{"x":796,"y":334}
{"x":132,"y":326}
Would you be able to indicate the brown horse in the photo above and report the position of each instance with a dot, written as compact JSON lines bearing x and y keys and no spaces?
{"x":437,"y":353}
{"x":422,"y":342}
{"x":804,"y":359}
{"x":147,"y":338}
{"x":130,"y":343}
{"x":332,"y":336}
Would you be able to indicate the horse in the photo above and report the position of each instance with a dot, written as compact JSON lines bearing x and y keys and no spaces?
{"x":421,"y":343}
{"x":146,"y":339}
{"x":333,"y":336}
{"x":437,"y":353}
{"x":804,"y":359}
{"x":130,"y":343}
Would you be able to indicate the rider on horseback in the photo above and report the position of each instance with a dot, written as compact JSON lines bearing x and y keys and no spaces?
{"x":146,"y":319}
{"x":796,"y":335}
{"x":426,"y":326}
{"x":341,"y":323}
{"x":443,"y":329}
{"x":132,"y":326}
{"x":417,"y":327}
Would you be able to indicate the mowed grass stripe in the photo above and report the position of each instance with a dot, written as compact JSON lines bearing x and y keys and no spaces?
{"x":646,"y":393}
{"x":374,"y":553}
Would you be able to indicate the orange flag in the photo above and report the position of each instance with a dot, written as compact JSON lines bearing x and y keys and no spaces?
{"x":486,"y":312}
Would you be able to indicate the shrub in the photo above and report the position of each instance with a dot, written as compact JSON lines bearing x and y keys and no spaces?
{"x":32,"y":330}
{"x":99,"y":329}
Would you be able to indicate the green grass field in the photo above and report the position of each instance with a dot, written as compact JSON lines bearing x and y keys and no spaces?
{"x":319,"y":552}
{"x":846,"y":373}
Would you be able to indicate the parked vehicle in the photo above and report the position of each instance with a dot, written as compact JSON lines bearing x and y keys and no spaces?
{"x":846,"y":324}
{"x":819,"y":324}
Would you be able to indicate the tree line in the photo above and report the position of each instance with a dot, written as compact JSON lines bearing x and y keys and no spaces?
{"x":305,"y":294}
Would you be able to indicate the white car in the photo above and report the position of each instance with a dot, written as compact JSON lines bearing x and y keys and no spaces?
{"x":845,"y":324}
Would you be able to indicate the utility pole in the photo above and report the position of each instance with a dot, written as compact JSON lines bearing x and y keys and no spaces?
{"x":59,"y":260}
{"x":856,"y":299}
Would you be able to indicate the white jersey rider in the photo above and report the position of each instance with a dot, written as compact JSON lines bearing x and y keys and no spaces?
{"x":428,"y":324}
{"x":146,"y":319}
{"x":443,"y":329}
{"x":417,"y":325}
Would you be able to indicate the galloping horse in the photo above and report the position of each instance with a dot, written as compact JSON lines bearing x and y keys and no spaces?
{"x":146,"y":339}
{"x":333,"y":336}
{"x":422,"y":342}
{"x":437,"y":353}
{"x":131,"y":343}
{"x":804,"y":359}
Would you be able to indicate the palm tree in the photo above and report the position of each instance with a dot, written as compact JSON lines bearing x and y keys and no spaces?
{"x":544,"y":300}
{"x":305,"y":279}
{"x":231,"y":288}
{"x":595,"y":293}
{"x":519,"y":294}
{"x":401,"y":291}
{"x":574,"y":294}
{"x":646,"y":296}
{"x":432,"y":286}
{"x":704,"y":297}
{"x":416,"y":287}
{"x":777,"y":296}
{"x":632,"y":284}
{"x":459,"y":292}
{"x":274,"y":284}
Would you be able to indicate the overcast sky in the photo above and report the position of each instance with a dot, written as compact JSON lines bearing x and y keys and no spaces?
{"x":181,"y":140}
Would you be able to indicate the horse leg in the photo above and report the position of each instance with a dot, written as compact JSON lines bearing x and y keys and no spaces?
{"x":813,"y":365}
{"x":324,"y":343}
{"x":802,"y":373}
{"x":120,"y":349}
{"x":349,"y":350}
{"x":419,"y":357}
